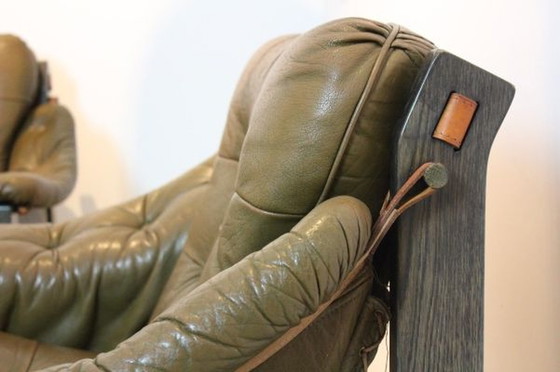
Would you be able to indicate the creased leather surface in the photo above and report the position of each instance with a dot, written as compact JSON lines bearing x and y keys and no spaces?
{"x":226,"y":320}
{"x":92,"y":282}
{"x":37,"y":140}
{"x":20,"y":354}
{"x":254,"y":246}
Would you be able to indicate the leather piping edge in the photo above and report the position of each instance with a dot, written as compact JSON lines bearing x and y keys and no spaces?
{"x":372,"y":81}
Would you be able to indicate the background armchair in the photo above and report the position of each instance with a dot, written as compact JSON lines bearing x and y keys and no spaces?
{"x":37,"y":142}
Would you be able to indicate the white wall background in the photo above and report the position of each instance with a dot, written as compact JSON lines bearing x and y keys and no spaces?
{"x":148,"y":83}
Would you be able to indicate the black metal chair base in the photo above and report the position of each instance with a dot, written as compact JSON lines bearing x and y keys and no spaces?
{"x":35,"y":215}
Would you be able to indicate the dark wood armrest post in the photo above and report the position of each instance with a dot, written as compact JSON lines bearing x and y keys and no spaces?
{"x":438,"y":283}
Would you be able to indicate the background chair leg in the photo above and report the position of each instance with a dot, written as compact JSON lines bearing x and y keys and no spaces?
{"x":5,"y":213}
{"x":34,"y":215}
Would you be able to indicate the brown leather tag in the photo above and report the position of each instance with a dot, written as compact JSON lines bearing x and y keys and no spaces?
{"x":455,"y":120}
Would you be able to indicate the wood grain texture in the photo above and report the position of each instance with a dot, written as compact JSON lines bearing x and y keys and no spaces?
{"x":437,"y":287}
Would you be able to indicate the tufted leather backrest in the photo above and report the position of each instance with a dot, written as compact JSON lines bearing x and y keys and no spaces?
{"x":219,"y":191}
{"x":19,"y":82}
{"x":311,"y":118}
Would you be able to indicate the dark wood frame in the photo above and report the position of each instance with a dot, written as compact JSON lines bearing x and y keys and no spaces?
{"x":438,"y":282}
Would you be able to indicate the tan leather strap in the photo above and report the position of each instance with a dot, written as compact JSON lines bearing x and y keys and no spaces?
{"x":455,"y":120}
{"x":435,"y":176}
{"x":370,"y":84}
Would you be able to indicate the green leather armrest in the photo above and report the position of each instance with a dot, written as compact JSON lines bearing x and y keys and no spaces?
{"x":237,"y":313}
